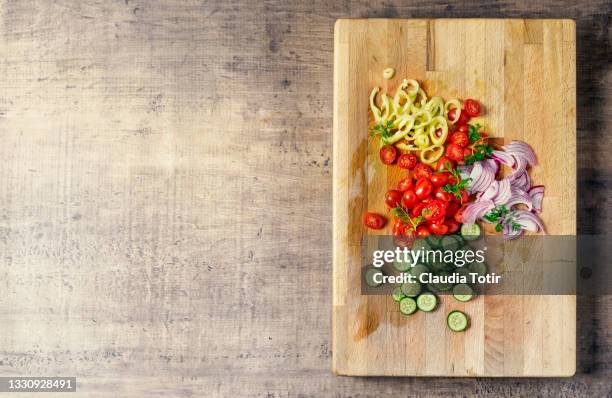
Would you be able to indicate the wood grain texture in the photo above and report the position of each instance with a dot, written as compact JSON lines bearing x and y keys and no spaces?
{"x":152,"y":157}
{"x":488,"y":59}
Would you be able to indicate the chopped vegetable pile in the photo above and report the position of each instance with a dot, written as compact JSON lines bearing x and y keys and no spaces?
{"x":455,"y":179}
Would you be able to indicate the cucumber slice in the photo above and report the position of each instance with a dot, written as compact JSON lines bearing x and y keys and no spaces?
{"x":411,"y":289}
{"x":397,"y":294}
{"x":420,"y":244}
{"x":457,"y":321}
{"x":427,"y":302}
{"x":369,"y":276}
{"x":402,"y":266}
{"x":407,"y":306}
{"x":478,"y":268}
{"x":451,"y":242}
{"x":434,"y":241}
{"x":463,"y":271}
{"x":441,"y":286}
{"x":432,"y":288}
{"x":463,"y":292}
{"x":470,"y":231}
{"x":419,"y":269}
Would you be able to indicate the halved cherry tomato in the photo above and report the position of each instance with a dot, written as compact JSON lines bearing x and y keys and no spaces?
{"x":463,"y":197}
{"x":438,"y":228}
{"x":404,"y":184}
{"x":409,"y":199}
{"x":393,"y":197}
{"x":453,"y":226}
{"x":388,"y":153}
{"x":439,"y":179}
{"x":464,"y":128}
{"x":423,"y":188}
{"x":463,"y":118}
{"x":422,"y":171}
{"x":444,"y":163}
{"x":471,"y":107}
{"x":460,"y":138}
{"x":451,"y":209}
{"x":454,"y":152}
{"x":459,"y":214}
{"x":433,"y":211}
{"x":445,"y":196}
{"x":416,"y":210}
{"x":399,"y":227}
{"x":407,"y":161}
{"x":423,"y":231}
{"x":374,"y":220}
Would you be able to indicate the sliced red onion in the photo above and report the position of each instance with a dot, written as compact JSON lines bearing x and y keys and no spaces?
{"x":536,"y":193}
{"x":521,"y":150}
{"x":504,"y":158}
{"x":519,"y":197}
{"x":493,"y":165}
{"x":476,"y":210}
{"x":511,"y":233}
{"x":527,"y":220}
{"x":465,"y":170}
{"x":522,"y":182}
{"x":503,"y":193}
{"x":482,"y":176}
{"x":490,"y":192}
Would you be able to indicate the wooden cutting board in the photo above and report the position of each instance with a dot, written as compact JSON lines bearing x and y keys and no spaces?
{"x":523,"y":71}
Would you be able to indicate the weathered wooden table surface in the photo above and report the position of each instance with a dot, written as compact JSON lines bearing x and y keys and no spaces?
{"x":165,"y":191}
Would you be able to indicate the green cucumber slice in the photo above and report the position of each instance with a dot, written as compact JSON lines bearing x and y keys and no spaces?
{"x":457,"y":321}
{"x":463,"y":292}
{"x":420,"y":244}
{"x":478,"y":268}
{"x":443,"y":286}
{"x":434,"y":241}
{"x":407,"y":306}
{"x":427,"y":302}
{"x":419,"y":269}
{"x":369,"y":276}
{"x":470,"y":231}
{"x":451,"y":242}
{"x":411,"y":289}
{"x":402,"y":266}
{"x":463,"y":271}
{"x":397,"y":294}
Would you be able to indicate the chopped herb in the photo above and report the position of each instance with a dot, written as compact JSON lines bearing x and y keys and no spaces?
{"x":474,"y":135}
{"x":403,"y":215}
{"x":383,"y":130}
{"x":480,"y":152}
{"x":460,"y":185}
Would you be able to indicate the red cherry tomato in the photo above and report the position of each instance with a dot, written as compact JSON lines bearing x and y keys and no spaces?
{"x":467,"y":152}
{"x":398,"y":228}
{"x":453,"y":226}
{"x":464,"y":128}
{"x":463,"y":118}
{"x":454,"y":152}
{"x":422,"y":171}
{"x":439,"y":179}
{"x":459,"y":138}
{"x":393,"y":197}
{"x":423,"y":188}
{"x":452,"y":115}
{"x":423,"y":231}
{"x":388,"y":153}
{"x":374,"y":220}
{"x":471,"y":107}
{"x":433,"y":211}
{"x":451,"y":209}
{"x":416,"y":210}
{"x":404,"y":184}
{"x":444,"y":163}
{"x":407,"y":161}
{"x":438,"y":228}
{"x":459,"y":214}
{"x":409,"y":199}
{"x":445,"y":196}
{"x":463,"y":197}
